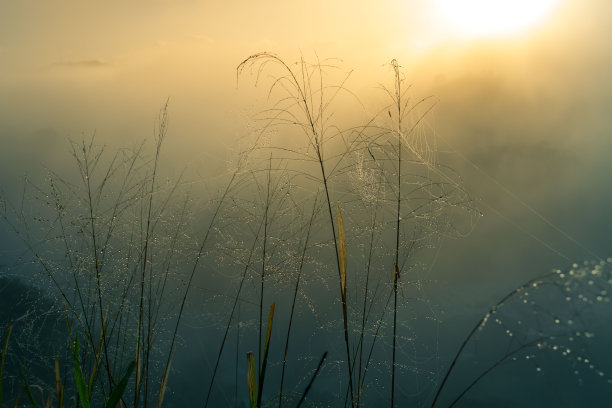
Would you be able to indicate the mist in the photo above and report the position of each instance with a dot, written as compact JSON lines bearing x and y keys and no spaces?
{"x":517,"y":126}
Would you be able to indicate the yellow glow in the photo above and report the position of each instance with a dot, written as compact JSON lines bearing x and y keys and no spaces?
{"x":493,"y":17}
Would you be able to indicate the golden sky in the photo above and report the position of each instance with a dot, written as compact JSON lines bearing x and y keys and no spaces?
{"x":526,"y":101}
{"x":75,"y":66}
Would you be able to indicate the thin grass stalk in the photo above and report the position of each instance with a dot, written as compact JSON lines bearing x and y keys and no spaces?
{"x":87,"y":168}
{"x":338,"y":261}
{"x":378,"y":327}
{"x":263,"y":262}
{"x":64,"y":235}
{"x":229,"y":321}
{"x":398,"y":96}
{"x":314,"y":376}
{"x":363,"y":316}
{"x":499,"y":362}
{"x":237,"y":359}
{"x":162,"y":128}
{"x":342,"y":264}
{"x":293,"y":302}
{"x":86,"y":174}
{"x":154,"y":302}
{"x":203,"y":243}
{"x":304,"y":101}
{"x":161,"y":288}
{"x":482,"y":321}
{"x":25,"y":239}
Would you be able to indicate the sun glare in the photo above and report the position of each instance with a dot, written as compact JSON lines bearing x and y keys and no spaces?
{"x":493,"y":17}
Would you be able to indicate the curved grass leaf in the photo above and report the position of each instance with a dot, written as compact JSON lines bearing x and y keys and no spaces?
{"x":118,"y":392}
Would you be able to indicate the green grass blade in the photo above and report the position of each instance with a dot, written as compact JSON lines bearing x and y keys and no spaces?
{"x":27,"y":388}
{"x":78,"y":375}
{"x":3,"y":357}
{"x":252,"y":380}
{"x":117,"y":393}
{"x":264,"y":363}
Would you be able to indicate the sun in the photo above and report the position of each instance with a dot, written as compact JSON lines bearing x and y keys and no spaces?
{"x":473,"y":18}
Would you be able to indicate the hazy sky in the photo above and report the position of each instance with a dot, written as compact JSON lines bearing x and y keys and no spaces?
{"x":529,"y":106}
{"x":524,"y":114}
